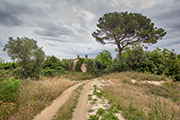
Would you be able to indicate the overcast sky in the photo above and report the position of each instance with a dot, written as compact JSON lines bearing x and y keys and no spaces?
{"x":63,"y":27}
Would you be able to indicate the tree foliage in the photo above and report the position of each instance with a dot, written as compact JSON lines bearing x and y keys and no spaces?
{"x":26,"y":52}
{"x":104,"y":57}
{"x":123,"y":29}
{"x":52,"y":67}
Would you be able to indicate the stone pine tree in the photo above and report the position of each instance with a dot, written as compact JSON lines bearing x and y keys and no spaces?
{"x":123,"y":29}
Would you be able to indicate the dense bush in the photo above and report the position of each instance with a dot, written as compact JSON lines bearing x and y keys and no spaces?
{"x":8,"y":65}
{"x":52,"y":67}
{"x":90,"y":66}
{"x":9,"y":90}
{"x":114,"y":67}
{"x":78,"y":64}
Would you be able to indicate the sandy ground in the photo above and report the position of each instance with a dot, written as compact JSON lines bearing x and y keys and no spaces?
{"x":101,"y":102}
{"x":81,"y":108}
{"x":85,"y":108}
{"x":50,"y":111}
{"x":158,"y":83}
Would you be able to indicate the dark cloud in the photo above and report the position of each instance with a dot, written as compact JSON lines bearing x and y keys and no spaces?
{"x":15,"y":14}
{"x":53,"y":29}
{"x":10,"y":14}
{"x":53,"y":39}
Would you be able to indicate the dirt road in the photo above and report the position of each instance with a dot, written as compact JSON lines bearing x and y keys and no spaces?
{"x":50,"y":111}
{"x":80,"y":112}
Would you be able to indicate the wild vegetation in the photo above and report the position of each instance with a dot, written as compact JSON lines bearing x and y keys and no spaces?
{"x":32,"y":97}
{"x":142,"y":100}
{"x":32,"y":80}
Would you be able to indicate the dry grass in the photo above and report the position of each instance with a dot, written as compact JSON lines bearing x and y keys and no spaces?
{"x":77,"y":75}
{"x":136,"y":76}
{"x":36,"y":95}
{"x":134,"y":100}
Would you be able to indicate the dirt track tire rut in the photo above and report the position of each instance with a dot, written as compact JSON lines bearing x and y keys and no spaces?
{"x":50,"y":111}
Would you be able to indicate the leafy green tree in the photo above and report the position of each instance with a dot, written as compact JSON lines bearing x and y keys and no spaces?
{"x":52,"y":66}
{"x":104,"y":57}
{"x":158,"y":59}
{"x":137,"y":59}
{"x":123,"y":29}
{"x":28,"y":55}
{"x":172,"y":66}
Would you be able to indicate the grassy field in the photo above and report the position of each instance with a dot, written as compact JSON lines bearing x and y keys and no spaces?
{"x":143,"y":101}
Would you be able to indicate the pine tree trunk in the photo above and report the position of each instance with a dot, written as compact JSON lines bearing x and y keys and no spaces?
{"x":120,"y":52}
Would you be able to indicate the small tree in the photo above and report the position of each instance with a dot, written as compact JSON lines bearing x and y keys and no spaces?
{"x":104,"y":57}
{"x":123,"y":29}
{"x":27,"y":53}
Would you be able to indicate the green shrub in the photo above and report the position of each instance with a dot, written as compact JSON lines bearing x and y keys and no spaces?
{"x":93,"y":117}
{"x":109,"y":116}
{"x":90,"y":66}
{"x":78,"y":64}
{"x":52,"y":67}
{"x":9,"y":90}
{"x":114,"y":67}
{"x":100,"y":111}
{"x":53,"y":72}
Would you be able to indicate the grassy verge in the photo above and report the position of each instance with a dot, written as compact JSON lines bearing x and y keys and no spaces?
{"x":143,"y":101}
{"x":35,"y":96}
{"x":65,"y":112}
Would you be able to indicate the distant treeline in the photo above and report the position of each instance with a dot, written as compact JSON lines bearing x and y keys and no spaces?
{"x":159,"y":62}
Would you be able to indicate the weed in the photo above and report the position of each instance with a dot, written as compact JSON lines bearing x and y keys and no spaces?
{"x":89,"y":98}
{"x":93,"y":117}
{"x":109,"y":116}
{"x":100,"y":111}
{"x":93,"y":102}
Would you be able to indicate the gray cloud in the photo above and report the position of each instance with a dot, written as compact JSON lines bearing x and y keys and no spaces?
{"x":64,"y":27}
{"x":53,"y":29}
